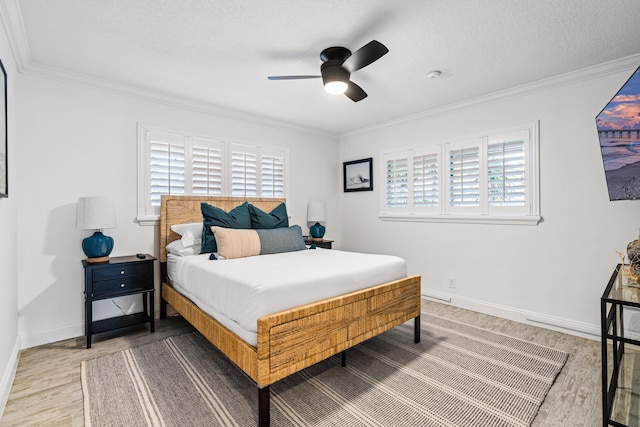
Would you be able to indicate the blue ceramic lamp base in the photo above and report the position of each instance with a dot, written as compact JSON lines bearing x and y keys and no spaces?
{"x":97,"y":247}
{"x":317,"y":231}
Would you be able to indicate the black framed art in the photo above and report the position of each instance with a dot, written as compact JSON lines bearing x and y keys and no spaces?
{"x":4,"y":144}
{"x":358,"y":175}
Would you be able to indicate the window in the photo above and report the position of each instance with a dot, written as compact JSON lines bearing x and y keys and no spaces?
{"x":244,"y":176}
{"x":397,"y":182}
{"x":506,"y":173}
{"x":492,"y":178}
{"x":463,"y":164}
{"x":174,"y":163}
{"x":272,"y":177}
{"x":426,"y":180}
{"x":206,"y":167}
{"x":257,"y":171}
{"x":167,"y":170}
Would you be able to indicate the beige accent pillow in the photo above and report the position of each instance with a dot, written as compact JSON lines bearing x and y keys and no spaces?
{"x":235,"y":243}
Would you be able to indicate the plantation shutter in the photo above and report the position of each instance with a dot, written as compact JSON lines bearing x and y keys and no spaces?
{"x":244,"y":180}
{"x":426,"y":185}
{"x":487,"y":179}
{"x":506,"y":173}
{"x":272,"y":175}
{"x":167,"y":162}
{"x":174,"y":163}
{"x":397,"y":181}
{"x":464,"y":177}
{"x":257,"y":171}
{"x":207,"y":169}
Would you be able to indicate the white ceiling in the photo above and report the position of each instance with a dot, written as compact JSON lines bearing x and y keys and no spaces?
{"x":220,"y":52}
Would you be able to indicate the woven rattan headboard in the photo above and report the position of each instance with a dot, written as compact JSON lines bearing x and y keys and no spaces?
{"x":184,"y":209}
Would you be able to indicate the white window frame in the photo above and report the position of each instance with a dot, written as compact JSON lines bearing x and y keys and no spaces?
{"x":148,"y":214}
{"x":484,"y":212}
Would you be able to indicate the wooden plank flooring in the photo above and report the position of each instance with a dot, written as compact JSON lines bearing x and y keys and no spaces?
{"x":47,"y":389}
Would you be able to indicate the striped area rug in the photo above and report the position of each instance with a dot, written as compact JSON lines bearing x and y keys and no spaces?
{"x":459,"y":375}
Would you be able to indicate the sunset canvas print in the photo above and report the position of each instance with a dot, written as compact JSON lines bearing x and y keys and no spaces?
{"x":619,"y":132}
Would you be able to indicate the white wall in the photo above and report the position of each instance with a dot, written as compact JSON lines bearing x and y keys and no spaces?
{"x":77,"y":141}
{"x":553,"y":273}
{"x":9,"y":338}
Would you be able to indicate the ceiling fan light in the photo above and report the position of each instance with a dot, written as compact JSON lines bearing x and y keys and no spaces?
{"x":336,"y":87}
{"x":334,"y":77}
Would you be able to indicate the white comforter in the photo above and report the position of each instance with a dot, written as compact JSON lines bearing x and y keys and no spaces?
{"x":239,"y":291}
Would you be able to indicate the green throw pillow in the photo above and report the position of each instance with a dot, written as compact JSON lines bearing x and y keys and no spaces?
{"x":277,"y":218}
{"x":237,"y":217}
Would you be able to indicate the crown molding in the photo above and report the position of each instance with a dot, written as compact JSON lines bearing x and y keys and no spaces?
{"x":175,"y":101}
{"x":628,"y":63}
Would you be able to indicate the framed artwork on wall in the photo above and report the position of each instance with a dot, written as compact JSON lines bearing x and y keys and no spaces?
{"x":619,"y":133}
{"x":358,"y":175}
{"x":4,"y":145}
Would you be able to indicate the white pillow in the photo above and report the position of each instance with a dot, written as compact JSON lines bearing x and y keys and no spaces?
{"x":191,"y":233}
{"x":195,"y":228}
{"x":178,"y":248}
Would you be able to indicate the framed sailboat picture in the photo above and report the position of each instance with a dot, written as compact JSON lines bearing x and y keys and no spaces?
{"x":358,"y":175}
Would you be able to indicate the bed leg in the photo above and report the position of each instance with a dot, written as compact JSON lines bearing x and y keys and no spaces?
{"x":416,"y":330}
{"x":163,"y":308}
{"x":163,"y":279}
{"x":343,"y":361}
{"x":263,"y":407}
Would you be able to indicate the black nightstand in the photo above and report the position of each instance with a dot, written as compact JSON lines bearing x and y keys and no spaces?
{"x":120,"y":276}
{"x":325,"y":244}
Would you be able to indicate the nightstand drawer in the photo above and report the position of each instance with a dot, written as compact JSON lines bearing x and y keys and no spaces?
{"x":109,"y":287}
{"x":120,"y":271}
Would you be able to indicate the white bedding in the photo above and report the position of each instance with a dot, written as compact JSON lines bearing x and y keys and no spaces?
{"x":237,"y":292}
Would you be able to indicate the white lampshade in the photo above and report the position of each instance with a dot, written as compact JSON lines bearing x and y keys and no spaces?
{"x":95,"y":213}
{"x":316,"y":212}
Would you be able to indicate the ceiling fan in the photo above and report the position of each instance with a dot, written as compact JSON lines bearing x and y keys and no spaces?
{"x":337,"y":65}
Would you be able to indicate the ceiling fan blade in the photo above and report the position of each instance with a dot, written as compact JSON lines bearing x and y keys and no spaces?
{"x":292,"y":77}
{"x":364,"y":56}
{"x":355,"y":92}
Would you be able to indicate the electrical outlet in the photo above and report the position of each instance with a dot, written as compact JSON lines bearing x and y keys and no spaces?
{"x":452,"y":282}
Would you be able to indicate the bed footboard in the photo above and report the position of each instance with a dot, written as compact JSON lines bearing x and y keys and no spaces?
{"x":294,"y":339}
{"x":291,"y":340}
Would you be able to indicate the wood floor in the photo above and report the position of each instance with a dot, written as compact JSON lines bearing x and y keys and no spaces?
{"x":47,"y":389}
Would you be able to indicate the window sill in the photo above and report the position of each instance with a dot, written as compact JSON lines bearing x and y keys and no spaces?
{"x":464,"y":219}
{"x":148,"y":220}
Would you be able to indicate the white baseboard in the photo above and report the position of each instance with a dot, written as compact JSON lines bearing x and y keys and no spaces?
{"x":8,"y":376}
{"x":437,"y":296}
{"x":73,"y":331}
{"x":568,"y":326}
{"x":52,"y":335}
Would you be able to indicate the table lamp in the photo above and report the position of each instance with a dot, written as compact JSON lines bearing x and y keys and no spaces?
{"x":96,"y":213}
{"x":316,"y":212}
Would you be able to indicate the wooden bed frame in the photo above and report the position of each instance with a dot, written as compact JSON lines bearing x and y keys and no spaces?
{"x":293,"y":339}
